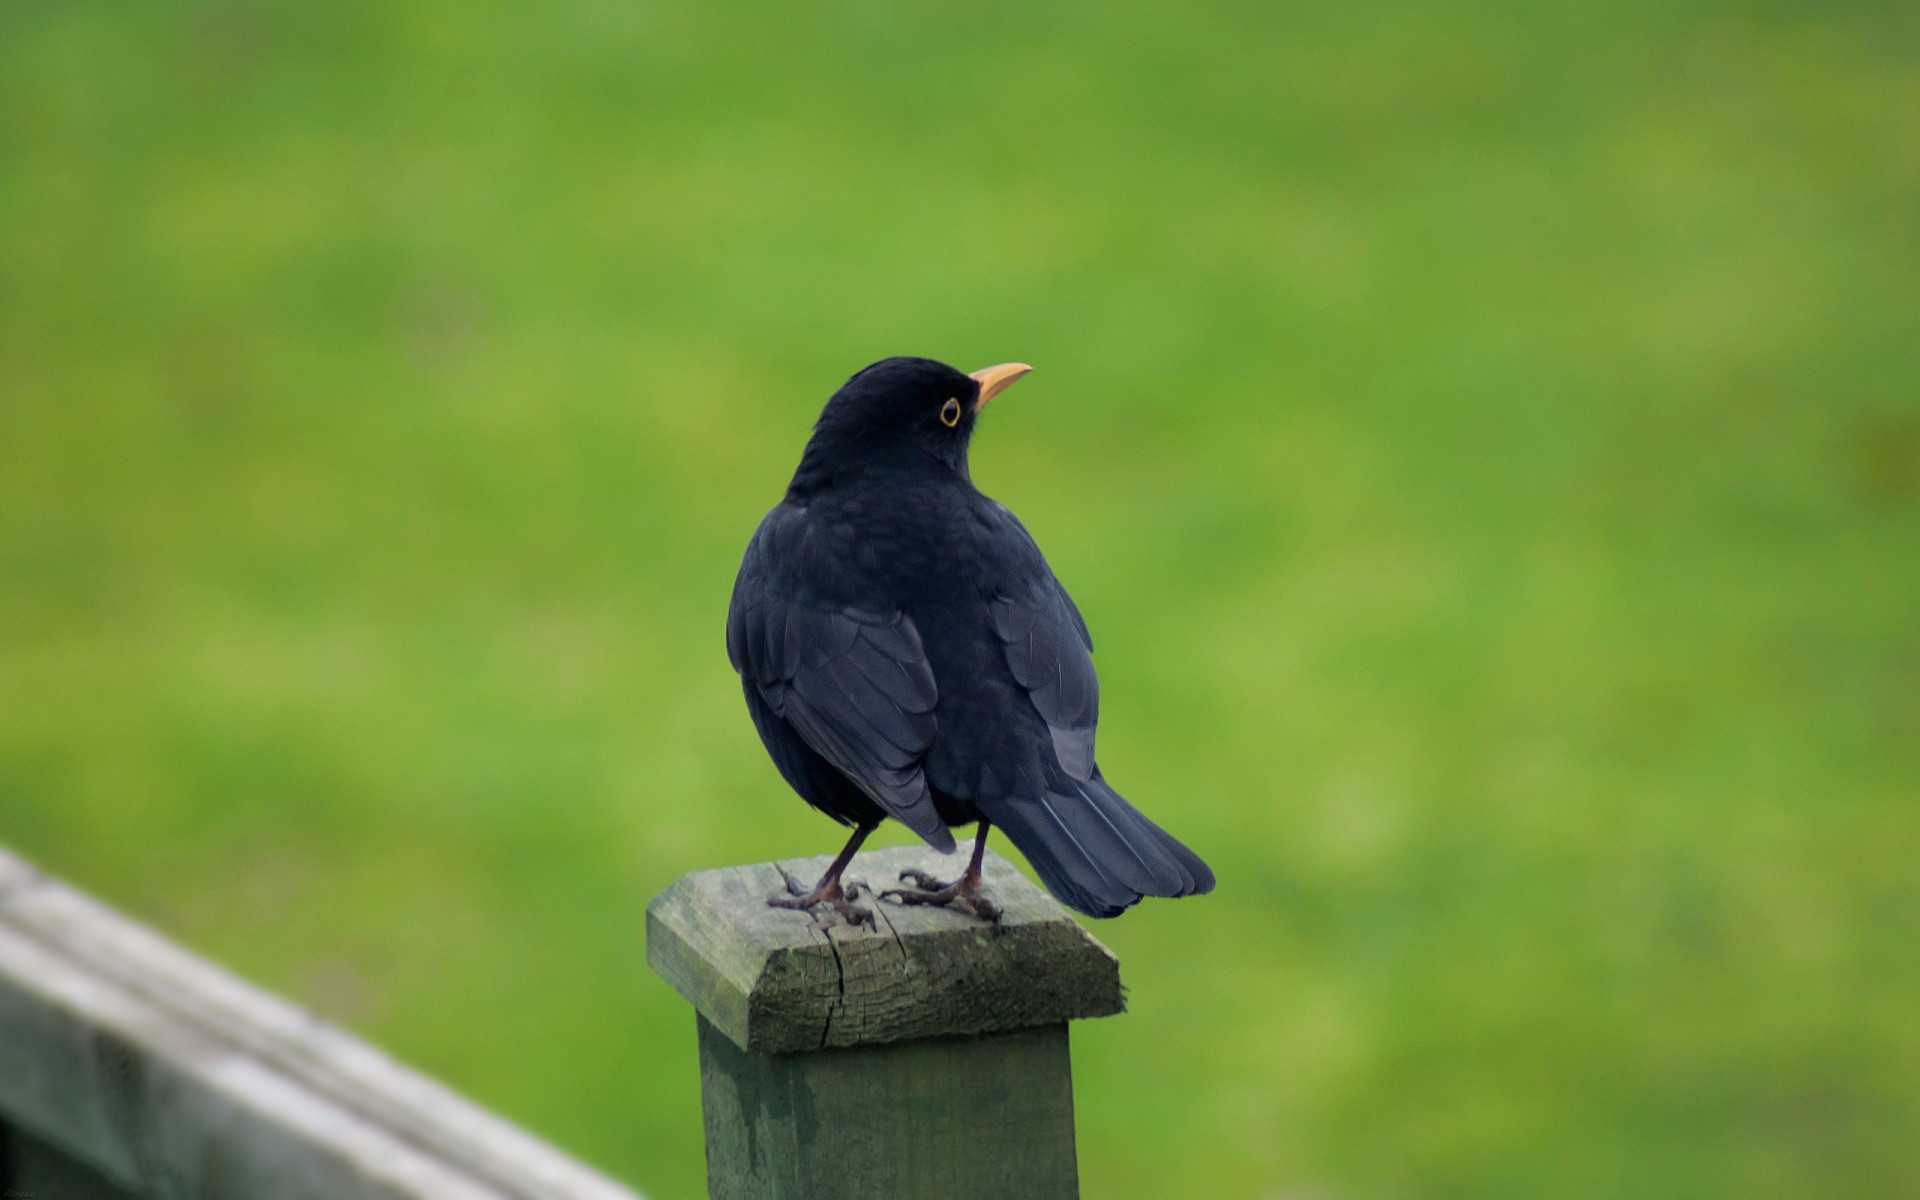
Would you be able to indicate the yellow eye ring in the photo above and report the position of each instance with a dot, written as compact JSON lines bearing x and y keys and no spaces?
{"x":950,"y":413}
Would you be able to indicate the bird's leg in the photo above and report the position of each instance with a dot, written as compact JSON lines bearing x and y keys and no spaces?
{"x":829,"y":892}
{"x":965,"y":892}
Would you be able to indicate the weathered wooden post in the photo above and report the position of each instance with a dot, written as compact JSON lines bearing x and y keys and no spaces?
{"x":925,"y":1059}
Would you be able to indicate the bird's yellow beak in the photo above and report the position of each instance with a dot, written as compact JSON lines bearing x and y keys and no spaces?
{"x":994,"y":380}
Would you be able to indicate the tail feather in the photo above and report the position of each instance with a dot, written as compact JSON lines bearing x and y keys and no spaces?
{"x":1098,"y":854}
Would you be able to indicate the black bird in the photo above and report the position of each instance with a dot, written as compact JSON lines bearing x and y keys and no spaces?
{"x":906,"y":652}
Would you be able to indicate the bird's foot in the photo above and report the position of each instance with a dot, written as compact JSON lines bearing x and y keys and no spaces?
{"x":964,"y":893}
{"x":827,"y":894}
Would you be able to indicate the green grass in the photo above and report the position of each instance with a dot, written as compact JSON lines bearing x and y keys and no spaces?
{"x":1484,"y":438}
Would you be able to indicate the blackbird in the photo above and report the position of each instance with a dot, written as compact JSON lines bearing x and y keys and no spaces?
{"x":906,"y":652}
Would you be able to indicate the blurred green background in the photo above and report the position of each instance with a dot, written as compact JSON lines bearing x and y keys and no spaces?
{"x":1484,"y":438}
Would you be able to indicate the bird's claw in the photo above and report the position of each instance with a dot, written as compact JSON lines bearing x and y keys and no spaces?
{"x":794,"y":886}
{"x":827,"y":894}
{"x":963,"y":893}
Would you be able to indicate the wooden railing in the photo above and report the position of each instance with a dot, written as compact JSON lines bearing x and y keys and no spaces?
{"x":130,"y":1068}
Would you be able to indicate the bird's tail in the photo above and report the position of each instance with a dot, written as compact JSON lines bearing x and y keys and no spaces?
{"x":1096,"y":853}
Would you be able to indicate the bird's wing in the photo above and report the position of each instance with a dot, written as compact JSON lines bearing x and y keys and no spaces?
{"x":853,"y":682}
{"x":1050,"y":653}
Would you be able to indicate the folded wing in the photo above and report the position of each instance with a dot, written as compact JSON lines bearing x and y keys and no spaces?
{"x":1050,"y":654}
{"x":853,"y":682}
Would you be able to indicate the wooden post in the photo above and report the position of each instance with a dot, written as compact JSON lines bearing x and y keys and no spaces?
{"x":924,"y":1059}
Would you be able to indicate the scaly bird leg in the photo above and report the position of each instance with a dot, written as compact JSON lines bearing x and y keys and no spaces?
{"x":964,"y":893}
{"x":829,"y":892}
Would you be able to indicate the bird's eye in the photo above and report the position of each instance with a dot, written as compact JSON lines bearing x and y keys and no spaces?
{"x":950,"y":413}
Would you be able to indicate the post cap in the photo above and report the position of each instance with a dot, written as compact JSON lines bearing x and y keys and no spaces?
{"x":774,"y":983}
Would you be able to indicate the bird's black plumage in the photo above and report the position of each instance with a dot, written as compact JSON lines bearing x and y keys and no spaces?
{"x":906,"y":652}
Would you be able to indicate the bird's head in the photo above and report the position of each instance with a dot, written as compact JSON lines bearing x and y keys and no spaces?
{"x":902,"y":412}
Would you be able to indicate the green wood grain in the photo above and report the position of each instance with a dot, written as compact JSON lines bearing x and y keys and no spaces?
{"x":936,"y":1119}
{"x":32,"y":1167}
{"x":926,"y":1058}
{"x":775,"y":983}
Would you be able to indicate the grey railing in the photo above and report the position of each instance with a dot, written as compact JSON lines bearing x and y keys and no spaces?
{"x":131,"y":1068}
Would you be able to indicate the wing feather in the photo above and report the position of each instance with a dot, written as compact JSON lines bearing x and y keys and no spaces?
{"x":854,"y":683}
{"x":1051,"y":657}
{"x":1047,"y":647}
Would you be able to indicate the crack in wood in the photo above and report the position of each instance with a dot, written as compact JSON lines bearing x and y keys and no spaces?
{"x":839,"y":985}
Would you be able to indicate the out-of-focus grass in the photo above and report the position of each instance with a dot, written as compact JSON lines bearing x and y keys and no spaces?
{"x":1483,"y":438}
